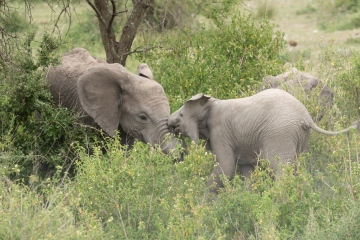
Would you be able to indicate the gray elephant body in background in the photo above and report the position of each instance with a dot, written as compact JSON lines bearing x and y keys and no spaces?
{"x":270,"y":125}
{"x":110,"y":97}
{"x":294,"y":81}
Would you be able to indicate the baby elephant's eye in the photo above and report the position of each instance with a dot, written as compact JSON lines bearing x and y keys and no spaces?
{"x":143,"y":118}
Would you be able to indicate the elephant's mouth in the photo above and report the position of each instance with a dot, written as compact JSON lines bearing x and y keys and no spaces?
{"x":175,"y":129}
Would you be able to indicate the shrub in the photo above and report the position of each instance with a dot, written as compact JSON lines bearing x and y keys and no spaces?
{"x":265,"y":10}
{"x":37,"y":133}
{"x":85,"y":34}
{"x":338,"y":15}
{"x":350,"y":83}
{"x":347,"y":5}
{"x":138,"y":194}
{"x":225,"y":61}
{"x":308,"y":9}
{"x":14,"y":22}
{"x":44,"y":210}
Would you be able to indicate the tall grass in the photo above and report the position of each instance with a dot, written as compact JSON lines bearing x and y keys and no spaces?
{"x":133,"y":194}
{"x":338,"y":15}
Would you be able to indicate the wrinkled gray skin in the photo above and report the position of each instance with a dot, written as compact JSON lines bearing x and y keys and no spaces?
{"x":112,"y":98}
{"x":271,"y":125}
{"x":295,"y":80}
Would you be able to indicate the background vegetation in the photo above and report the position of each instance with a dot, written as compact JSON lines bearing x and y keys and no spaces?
{"x":51,"y":188}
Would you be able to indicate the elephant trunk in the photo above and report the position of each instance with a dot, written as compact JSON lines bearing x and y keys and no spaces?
{"x":175,"y":146}
{"x":168,"y":142}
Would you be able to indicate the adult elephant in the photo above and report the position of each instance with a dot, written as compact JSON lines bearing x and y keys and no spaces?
{"x":296,"y":83}
{"x":270,"y":125}
{"x":112,"y":98}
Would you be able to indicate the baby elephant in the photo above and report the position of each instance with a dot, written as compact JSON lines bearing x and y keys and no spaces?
{"x":270,"y":125}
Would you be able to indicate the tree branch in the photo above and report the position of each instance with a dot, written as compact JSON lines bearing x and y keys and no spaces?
{"x":98,"y":14}
{"x":141,"y":50}
{"x":64,"y":10}
{"x":109,"y":27}
{"x":130,"y":29}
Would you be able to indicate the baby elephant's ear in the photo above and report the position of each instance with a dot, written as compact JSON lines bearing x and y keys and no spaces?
{"x":199,"y":96}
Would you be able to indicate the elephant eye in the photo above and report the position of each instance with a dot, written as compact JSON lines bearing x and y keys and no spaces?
{"x":143,"y":118}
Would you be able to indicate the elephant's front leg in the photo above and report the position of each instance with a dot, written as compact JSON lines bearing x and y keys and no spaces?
{"x":226,"y":165}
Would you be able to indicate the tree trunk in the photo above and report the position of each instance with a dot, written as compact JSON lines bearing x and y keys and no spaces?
{"x":130,"y":29}
{"x":117,"y":51}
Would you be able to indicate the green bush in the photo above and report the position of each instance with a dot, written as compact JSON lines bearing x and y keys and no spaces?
{"x":265,"y":10}
{"x":85,"y":34}
{"x":350,"y":83}
{"x":347,"y":5}
{"x":225,"y":61}
{"x":143,"y":194}
{"x":132,"y":194}
{"x":44,"y":210}
{"x":36,"y":134}
{"x":140,"y":195}
{"x":308,"y":9}
{"x":14,"y":22}
{"x":338,"y":15}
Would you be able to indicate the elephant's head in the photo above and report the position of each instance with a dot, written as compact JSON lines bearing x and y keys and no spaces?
{"x":113,"y":98}
{"x":190,"y":119}
{"x":290,"y":80}
{"x":297,"y":82}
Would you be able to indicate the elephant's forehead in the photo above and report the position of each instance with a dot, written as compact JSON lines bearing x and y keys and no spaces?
{"x":152,"y":89}
{"x":151,"y":95}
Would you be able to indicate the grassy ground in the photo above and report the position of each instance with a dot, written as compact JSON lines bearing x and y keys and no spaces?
{"x":303,"y":22}
{"x":300,"y":23}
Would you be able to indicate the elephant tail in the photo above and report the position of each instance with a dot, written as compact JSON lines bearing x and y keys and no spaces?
{"x":355,"y":125}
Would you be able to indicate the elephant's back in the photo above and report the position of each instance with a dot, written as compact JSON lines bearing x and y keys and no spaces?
{"x":271,"y":117}
{"x":282,"y":108}
{"x":73,"y":64}
{"x":267,"y":105}
{"x":269,"y":110}
{"x":278,"y":100}
{"x":77,"y":61}
{"x":62,"y":78}
{"x":284,"y":118}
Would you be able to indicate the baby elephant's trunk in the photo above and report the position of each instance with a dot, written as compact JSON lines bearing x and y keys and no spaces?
{"x":174,"y":146}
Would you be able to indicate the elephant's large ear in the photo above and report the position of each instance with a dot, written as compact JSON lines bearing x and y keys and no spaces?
{"x":197,"y":105}
{"x":145,"y":71}
{"x":99,"y":94}
{"x":192,"y":130}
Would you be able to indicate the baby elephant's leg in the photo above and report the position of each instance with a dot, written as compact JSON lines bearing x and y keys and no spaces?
{"x":226,"y":165}
{"x":279,"y":154}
